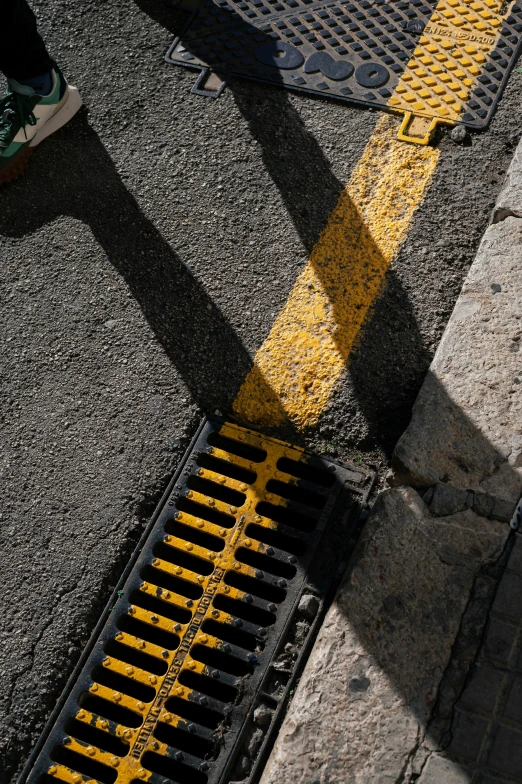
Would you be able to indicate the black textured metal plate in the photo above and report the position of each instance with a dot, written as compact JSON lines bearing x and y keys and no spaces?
{"x":354,"y":51}
{"x":187,"y":673}
{"x":447,"y":60}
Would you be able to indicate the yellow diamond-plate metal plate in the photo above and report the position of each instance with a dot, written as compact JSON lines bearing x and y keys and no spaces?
{"x":452,"y":59}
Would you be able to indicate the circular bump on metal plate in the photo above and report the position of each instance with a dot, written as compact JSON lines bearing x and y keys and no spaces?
{"x":336,"y":70}
{"x":371,"y":75}
{"x":279,"y":54}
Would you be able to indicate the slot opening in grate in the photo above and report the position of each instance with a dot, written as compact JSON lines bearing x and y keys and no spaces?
{"x":191,"y":711}
{"x":128,"y":686}
{"x":176,"y":771}
{"x":96,"y":737}
{"x":241,"y":609}
{"x":195,"y":535}
{"x":228,"y":633}
{"x":109,"y":710}
{"x":144,"y":631}
{"x":274,"y":538}
{"x":266,"y":563}
{"x":205,"y":513}
{"x":239,"y":448}
{"x":221,"y":661}
{"x":223,"y":692}
{"x":286,"y":516}
{"x":135,"y":658}
{"x":84,"y":765}
{"x":183,"y":740}
{"x":217,"y":491}
{"x":170,"y":582}
{"x":304,"y":471}
{"x":167,"y":610}
{"x":257,"y":587}
{"x":225,"y":468}
{"x":296,"y":493}
{"x":180,"y":558}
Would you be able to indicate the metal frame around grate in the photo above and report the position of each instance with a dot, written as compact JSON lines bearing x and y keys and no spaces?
{"x":206,"y":628}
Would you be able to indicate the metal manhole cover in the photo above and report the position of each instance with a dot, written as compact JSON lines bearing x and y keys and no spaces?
{"x":440,"y":62}
{"x":188,"y":672}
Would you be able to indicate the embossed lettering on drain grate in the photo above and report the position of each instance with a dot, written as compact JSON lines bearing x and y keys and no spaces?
{"x":444,"y":61}
{"x":187,"y":678}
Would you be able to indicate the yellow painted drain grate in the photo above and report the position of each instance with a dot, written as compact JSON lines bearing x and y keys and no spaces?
{"x":186,"y":676}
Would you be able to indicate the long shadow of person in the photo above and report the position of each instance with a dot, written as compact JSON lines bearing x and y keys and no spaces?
{"x":194,"y":333}
{"x":386,"y":367}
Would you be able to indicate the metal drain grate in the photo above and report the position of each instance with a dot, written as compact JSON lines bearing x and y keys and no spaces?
{"x":443,"y":62}
{"x":186,"y":676}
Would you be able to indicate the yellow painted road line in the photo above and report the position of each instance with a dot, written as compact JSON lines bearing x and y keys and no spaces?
{"x":305,"y":354}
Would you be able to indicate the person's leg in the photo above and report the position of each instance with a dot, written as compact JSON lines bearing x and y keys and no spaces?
{"x":22,"y":51}
{"x":38,"y":100}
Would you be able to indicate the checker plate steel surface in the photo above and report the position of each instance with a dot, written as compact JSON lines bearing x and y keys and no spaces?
{"x":445,"y":62}
{"x":188,"y":671}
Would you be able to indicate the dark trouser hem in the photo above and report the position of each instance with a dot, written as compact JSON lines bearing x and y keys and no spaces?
{"x":22,"y":51}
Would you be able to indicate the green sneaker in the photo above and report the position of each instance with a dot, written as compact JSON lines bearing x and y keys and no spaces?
{"x":26,"y":119}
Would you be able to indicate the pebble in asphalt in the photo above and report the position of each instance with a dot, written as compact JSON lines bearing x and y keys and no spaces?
{"x":145,"y":256}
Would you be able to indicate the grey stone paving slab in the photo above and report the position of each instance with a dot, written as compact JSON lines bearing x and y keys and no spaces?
{"x":440,"y":770}
{"x":486,"y":732}
{"x":367,"y":693}
{"x":466,"y":427}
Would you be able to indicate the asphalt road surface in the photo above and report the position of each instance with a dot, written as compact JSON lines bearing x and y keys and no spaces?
{"x":145,"y":257}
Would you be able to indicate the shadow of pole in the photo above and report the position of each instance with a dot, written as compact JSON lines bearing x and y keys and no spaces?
{"x":325,"y":329}
{"x":294,"y":159}
{"x":349,"y":270}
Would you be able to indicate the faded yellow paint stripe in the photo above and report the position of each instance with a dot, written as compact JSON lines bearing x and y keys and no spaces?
{"x":303,"y":357}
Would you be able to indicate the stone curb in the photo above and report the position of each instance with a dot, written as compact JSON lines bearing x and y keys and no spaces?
{"x":509,"y":202}
{"x":445,"y":500}
{"x":366,"y":697}
{"x":466,"y":426}
{"x":378,"y":695}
